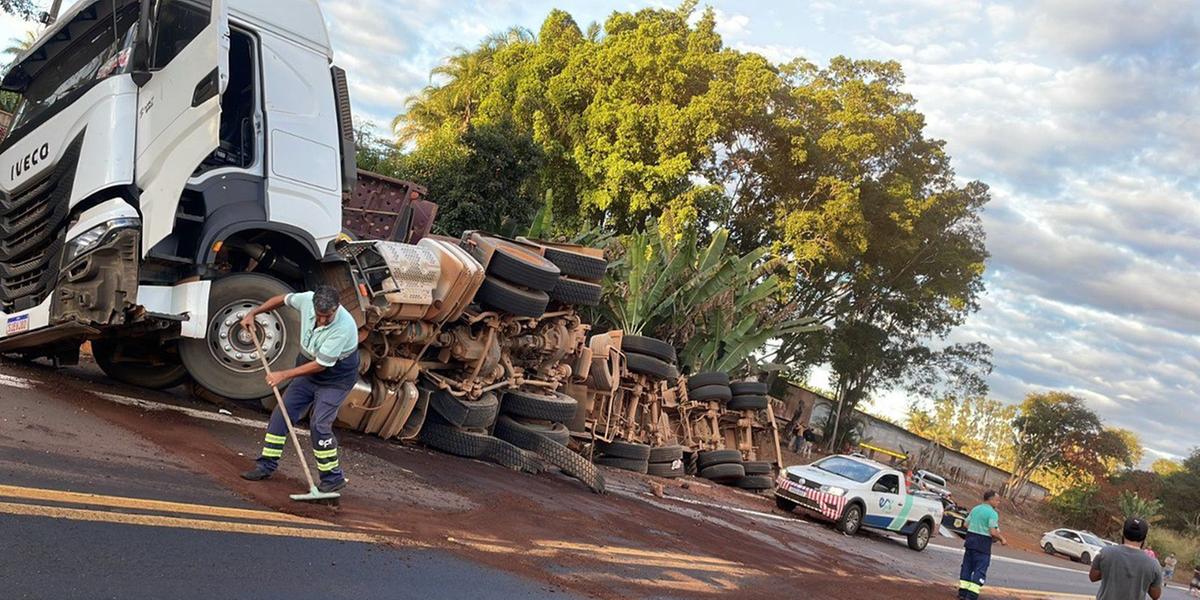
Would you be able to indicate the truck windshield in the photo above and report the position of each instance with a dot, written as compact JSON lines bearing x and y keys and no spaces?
{"x":101,"y":52}
{"x":850,"y":469}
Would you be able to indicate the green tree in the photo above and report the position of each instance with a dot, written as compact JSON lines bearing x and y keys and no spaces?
{"x":1057,"y":432}
{"x":481,"y":178}
{"x":976,"y":426}
{"x":25,"y":9}
{"x":1131,"y":505}
{"x":1166,"y":467}
{"x":626,"y":118}
{"x":1181,"y":494}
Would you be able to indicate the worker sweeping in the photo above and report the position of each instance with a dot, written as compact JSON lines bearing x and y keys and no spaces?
{"x":325,"y":372}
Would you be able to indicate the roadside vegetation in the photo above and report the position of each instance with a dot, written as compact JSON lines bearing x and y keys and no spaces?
{"x":818,"y":184}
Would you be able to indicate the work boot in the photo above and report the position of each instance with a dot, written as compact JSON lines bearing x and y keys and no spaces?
{"x":256,"y":474}
{"x":332,"y":486}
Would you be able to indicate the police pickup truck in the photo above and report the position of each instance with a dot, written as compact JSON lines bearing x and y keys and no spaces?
{"x":856,"y":492}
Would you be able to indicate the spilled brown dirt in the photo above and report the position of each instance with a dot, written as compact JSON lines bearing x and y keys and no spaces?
{"x":548,"y":528}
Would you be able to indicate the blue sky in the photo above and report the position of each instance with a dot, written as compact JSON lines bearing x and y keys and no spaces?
{"x":1083,"y":116}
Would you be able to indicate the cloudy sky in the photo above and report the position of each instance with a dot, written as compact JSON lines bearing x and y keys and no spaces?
{"x":1082,"y":115}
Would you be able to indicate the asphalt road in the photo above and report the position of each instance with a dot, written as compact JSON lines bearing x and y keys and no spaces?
{"x":104,"y":495}
{"x":80,"y":521}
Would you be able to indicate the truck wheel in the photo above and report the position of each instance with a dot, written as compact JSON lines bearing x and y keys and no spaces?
{"x":851,"y":519}
{"x":919,"y":538}
{"x":143,"y":374}
{"x":226,"y":362}
{"x":784,"y":504}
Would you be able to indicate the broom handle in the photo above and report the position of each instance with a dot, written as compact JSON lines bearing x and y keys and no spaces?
{"x":283,"y":409}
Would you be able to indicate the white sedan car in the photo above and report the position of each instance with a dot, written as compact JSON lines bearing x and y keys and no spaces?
{"x":1082,"y":546}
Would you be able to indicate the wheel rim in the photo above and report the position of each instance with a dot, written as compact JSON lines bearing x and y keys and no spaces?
{"x":1049,"y":549}
{"x":923,"y":537}
{"x":852,"y":520}
{"x":232,"y":345}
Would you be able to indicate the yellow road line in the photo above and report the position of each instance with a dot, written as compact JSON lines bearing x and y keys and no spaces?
{"x":25,"y":493}
{"x":97,"y":516}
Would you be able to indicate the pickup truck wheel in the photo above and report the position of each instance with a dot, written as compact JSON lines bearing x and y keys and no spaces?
{"x":851,"y":520}
{"x":1049,"y":548}
{"x":226,"y":361}
{"x":784,"y":504}
{"x":108,"y":356}
{"x":919,"y":538}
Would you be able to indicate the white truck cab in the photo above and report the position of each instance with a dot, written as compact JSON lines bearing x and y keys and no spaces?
{"x":855,"y":493}
{"x":170,"y":163}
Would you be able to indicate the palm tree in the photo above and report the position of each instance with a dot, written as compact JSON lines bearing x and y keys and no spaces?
{"x":18,"y":45}
{"x":465,"y":77}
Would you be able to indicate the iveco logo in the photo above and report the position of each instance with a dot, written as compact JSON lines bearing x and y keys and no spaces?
{"x":28,"y":162}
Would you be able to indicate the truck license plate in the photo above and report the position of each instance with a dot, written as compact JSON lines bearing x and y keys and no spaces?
{"x":15,"y":325}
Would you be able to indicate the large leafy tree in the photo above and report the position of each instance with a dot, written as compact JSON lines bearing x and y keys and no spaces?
{"x":1056,"y":432}
{"x":976,"y":426}
{"x":649,"y":116}
{"x":481,"y":177}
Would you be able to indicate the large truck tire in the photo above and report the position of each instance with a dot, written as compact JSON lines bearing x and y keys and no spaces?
{"x":649,"y":346}
{"x":155,"y":377}
{"x":577,"y":265}
{"x":214,"y":362}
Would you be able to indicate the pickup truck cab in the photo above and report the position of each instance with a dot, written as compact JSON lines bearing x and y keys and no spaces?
{"x":857,"y":492}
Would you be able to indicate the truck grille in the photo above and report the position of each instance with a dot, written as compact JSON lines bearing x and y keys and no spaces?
{"x":33,"y":229}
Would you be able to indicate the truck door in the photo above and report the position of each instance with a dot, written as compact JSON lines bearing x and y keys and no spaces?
{"x":179,"y":108}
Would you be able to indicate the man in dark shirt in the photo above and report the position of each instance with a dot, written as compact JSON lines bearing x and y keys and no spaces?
{"x":1125,"y":572}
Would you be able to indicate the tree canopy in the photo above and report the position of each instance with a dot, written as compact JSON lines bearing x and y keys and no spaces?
{"x":649,"y":118}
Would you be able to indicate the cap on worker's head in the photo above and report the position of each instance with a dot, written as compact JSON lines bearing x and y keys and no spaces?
{"x":1136,"y":529}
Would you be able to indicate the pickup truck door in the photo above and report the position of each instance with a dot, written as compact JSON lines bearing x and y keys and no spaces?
{"x":179,"y":107}
{"x":883,"y":503}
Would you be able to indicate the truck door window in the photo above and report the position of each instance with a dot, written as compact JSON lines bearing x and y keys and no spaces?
{"x":239,"y":104}
{"x":177,"y":23}
{"x":888,"y":484}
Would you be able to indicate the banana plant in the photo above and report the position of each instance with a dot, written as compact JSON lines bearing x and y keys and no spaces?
{"x":709,"y":304}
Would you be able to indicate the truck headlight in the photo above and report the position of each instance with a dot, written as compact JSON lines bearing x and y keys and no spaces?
{"x":833,"y":490}
{"x":92,"y":238}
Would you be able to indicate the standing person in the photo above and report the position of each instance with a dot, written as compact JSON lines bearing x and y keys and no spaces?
{"x":1151,"y":553}
{"x":325,"y":372}
{"x":983,"y":526}
{"x":810,"y":439}
{"x":1169,"y":565}
{"x":1126,"y":572}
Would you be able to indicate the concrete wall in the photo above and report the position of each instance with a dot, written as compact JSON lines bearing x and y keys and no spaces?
{"x":926,"y":454}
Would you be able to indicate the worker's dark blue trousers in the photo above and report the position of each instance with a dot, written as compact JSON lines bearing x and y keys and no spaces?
{"x":324,"y":392}
{"x":976,"y":559}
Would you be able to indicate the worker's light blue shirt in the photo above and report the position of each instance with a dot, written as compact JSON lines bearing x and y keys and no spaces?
{"x":327,"y":344}
{"x":983,"y":519}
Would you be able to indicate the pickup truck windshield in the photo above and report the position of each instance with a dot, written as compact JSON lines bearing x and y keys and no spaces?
{"x":850,"y":469}
{"x":102,"y":51}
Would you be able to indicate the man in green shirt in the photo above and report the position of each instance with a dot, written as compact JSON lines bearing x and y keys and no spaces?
{"x":325,"y":372}
{"x":983,"y":525}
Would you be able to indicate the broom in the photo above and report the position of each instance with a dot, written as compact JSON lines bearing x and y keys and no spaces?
{"x":313,"y":494}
